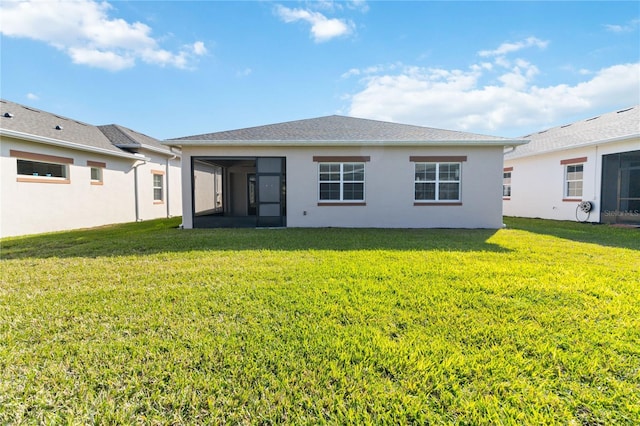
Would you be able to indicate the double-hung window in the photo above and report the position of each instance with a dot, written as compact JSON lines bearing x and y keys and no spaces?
{"x":437,"y":182}
{"x":506,"y":182}
{"x":158,"y":187}
{"x":341,"y":182}
{"x":573,"y":178}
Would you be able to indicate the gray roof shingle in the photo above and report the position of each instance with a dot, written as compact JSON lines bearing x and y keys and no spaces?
{"x":336,"y":128}
{"x":40,"y":123}
{"x":612,"y":126}
{"x":125,"y":138}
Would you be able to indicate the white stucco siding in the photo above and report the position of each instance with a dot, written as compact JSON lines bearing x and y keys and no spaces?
{"x":171,"y":203}
{"x":389,"y":187}
{"x":35,"y":207}
{"x":537,"y":182}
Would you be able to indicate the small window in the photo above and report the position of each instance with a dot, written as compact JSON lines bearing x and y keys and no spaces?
{"x":437,"y":182}
{"x":158,"y":188}
{"x":42,"y":169}
{"x":96,"y":174}
{"x":573,"y":180}
{"x":506,"y":184}
{"x":341,"y":181}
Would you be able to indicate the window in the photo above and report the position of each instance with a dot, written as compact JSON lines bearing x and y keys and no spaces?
{"x":158,"y":187}
{"x":573,"y":181}
{"x":437,"y":182}
{"x":96,"y":172}
{"x":506,"y":183}
{"x":41,"y":169}
{"x":341,"y":181}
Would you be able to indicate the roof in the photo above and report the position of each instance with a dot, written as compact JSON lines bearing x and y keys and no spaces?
{"x":21,"y":120}
{"x":125,"y":138}
{"x":44,"y":127}
{"x":340,"y":130}
{"x":610,"y":127}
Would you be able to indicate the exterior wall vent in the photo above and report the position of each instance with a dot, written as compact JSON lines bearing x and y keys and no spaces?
{"x":8,"y":115}
{"x":58,"y":127}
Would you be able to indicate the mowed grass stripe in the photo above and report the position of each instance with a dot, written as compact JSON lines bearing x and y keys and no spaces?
{"x":144,"y":323}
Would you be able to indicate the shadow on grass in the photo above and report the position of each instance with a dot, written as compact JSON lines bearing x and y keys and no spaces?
{"x":604,"y":235}
{"x":161,"y":236}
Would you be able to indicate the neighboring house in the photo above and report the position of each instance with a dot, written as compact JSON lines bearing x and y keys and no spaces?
{"x":343,"y":172}
{"x":58,"y":174}
{"x":595,"y":160}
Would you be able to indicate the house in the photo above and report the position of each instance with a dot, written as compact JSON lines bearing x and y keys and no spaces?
{"x":59,"y":173}
{"x":596,"y":160}
{"x":338,"y":171}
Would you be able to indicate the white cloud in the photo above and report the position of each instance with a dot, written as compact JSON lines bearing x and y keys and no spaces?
{"x":32,"y":96}
{"x":505,"y":48}
{"x":499,"y":98}
{"x":84,"y":31}
{"x":322,"y":28}
{"x":626,"y":28}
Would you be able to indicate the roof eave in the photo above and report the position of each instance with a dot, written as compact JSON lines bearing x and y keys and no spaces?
{"x":65,"y":144}
{"x":332,"y":143}
{"x":513,"y":156}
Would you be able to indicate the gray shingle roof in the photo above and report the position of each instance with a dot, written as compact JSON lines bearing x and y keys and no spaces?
{"x":40,"y":123}
{"x":612,"y":126}
{"x":336,"y":128}
{"x":125,"y":138}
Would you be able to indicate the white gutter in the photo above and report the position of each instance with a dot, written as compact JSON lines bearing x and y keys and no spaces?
{"x":66,"y":144}
{"x":296,"y":143}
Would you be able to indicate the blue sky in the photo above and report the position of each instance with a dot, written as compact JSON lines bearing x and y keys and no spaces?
{"x":171,"y":69}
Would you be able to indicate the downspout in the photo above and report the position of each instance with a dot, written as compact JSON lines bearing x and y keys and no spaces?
{"x":135,"y":187}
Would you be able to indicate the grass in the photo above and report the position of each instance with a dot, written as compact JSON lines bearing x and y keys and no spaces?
{"x":144,"y":323}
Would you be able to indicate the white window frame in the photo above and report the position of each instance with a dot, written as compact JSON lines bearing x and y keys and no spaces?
{"x":506,"y":183}
{"x":567,"y":181}
{"x":160,"y":187}
{"x":342,"y":181}
{"x":437,"y":181}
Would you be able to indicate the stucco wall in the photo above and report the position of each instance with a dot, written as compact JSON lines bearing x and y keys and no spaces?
{"x":537,"y":182}
{"x":389,"y":187}
{"x":36,"y":207}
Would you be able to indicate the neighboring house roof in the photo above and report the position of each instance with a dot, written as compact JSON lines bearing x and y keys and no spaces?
{"x":341,"y":130}
{"x":125,"y":138}
{"x":610,"y":127}
{"x":32,"y":124}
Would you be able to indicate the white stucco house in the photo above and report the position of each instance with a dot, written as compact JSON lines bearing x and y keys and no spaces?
{"x":596,"y":160}
{"x":58,"y":173}
{"x":338,"y":171}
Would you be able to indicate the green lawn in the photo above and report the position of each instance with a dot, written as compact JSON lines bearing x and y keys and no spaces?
{"x":144,"y":323}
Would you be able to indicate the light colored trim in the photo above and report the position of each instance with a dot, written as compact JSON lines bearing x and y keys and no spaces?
{"x":97,"y":182}
{"x":572,"y":200}
{"x":435,"y":203}
{"x":438,"y":158}
{"x":341,"y":158}
{"x":578,"y":160}
{"x":158,"y":202}
{"x":157,"y":172}
{"x":43,"y":158}
{"x":96,"y":164}
{"x":72,"y":145}
{"x":345,"y":204}
{"x":43,"y":180}
{"x":272,"y":143}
